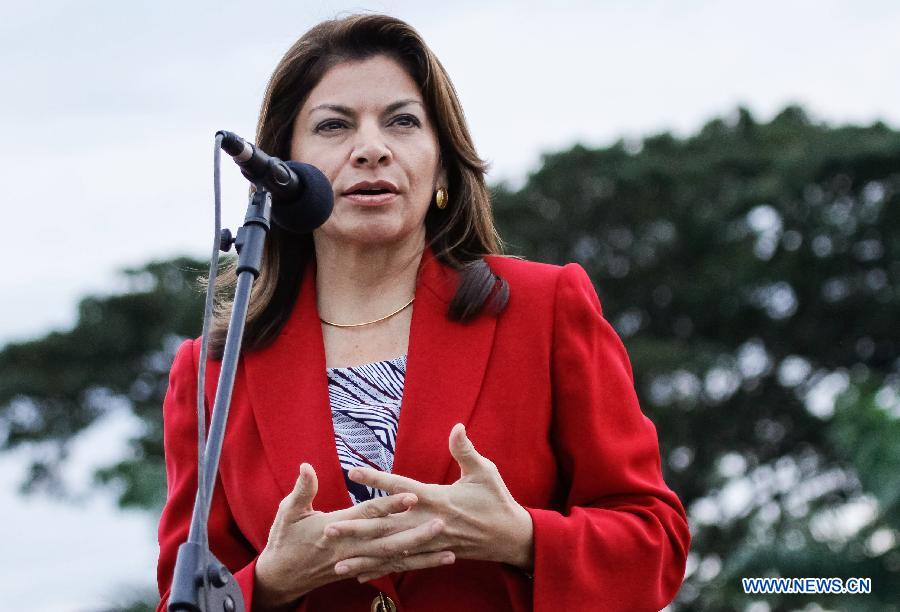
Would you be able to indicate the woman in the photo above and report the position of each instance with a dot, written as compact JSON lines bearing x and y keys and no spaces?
{"x":525,"y":476}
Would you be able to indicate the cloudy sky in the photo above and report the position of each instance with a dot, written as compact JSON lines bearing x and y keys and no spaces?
{"x":109,"y":110}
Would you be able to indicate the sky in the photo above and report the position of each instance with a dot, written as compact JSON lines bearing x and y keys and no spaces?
{"x":109,"y":111}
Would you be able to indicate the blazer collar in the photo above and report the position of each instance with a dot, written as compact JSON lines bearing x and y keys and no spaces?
{"x":288,"y":388}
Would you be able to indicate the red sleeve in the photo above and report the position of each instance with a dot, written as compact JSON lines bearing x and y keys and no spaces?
{"x":621,"y":542}
{"x":180,"y":438}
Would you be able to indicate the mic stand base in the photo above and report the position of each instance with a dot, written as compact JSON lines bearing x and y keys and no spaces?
{"x":221,"y":593}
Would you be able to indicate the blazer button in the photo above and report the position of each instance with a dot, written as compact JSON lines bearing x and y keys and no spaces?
{"x":383,"y":603}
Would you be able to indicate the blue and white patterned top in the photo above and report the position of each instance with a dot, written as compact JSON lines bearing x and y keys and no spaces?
{"x":365,"y":410}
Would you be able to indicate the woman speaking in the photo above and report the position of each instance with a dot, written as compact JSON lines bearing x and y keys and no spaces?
{"x":418,"y":422}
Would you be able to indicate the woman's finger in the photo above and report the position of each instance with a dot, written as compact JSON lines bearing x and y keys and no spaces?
{"x":386,"y":481}
{"x":378,"y":507}
{"x":463,"y":450}
{"x":399,"y":544}
{"x":364,"y":528}
{"x":298,"y":503}
{"x":369,"y":568}
{"x":370,"y":528}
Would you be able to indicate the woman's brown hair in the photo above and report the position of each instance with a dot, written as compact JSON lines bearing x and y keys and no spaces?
{"x":461,"y":234}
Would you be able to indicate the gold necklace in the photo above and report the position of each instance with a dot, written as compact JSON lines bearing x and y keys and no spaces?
{"x":399,"y":310}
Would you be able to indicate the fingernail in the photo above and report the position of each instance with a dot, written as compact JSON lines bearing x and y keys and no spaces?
{"x":362,"y":579}
{"x":447,"y":559}
{"x":341,"y":569}
{"x":436,"y":526}
{"x":409,"y":500}
{"x":330,"y":532}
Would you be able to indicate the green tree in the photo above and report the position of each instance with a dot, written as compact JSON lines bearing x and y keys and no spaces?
{"x":117,"y":356}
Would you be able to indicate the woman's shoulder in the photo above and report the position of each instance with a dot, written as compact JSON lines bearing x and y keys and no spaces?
{"x":566,"y":282}
{"x":514,"y":268}
{"x":518,"y":271}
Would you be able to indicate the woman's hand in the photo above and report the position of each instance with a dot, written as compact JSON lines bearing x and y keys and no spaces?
{"x":481,"y":519}
{"x":299,"y":558}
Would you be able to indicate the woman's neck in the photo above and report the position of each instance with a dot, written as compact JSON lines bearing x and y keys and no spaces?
{"x":356,"y":283}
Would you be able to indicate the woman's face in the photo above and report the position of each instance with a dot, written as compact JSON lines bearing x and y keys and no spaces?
{"x":366,"y":127}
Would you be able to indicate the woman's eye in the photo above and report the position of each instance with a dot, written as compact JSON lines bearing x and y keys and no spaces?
{"x":331,"y":125}
{"x":406,"y":121}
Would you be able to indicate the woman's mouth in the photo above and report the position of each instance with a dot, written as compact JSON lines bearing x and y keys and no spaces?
{"x":365,"y":198}
{"x":371,"y":195}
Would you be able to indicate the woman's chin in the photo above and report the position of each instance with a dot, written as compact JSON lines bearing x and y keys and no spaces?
{"x":374,"y":235}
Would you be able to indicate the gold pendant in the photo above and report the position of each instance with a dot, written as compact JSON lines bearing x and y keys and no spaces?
{"x":383,"y":603}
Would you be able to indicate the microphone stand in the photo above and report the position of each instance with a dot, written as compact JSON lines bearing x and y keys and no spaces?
{"x":200,"y":582}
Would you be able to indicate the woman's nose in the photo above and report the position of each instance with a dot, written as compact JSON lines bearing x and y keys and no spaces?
{"x":370,"y":148}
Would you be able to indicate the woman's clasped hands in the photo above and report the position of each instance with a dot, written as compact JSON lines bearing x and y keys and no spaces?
{"x":417,"y":526}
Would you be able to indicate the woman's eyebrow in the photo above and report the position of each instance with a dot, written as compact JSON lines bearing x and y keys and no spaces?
{"x":349,"y":112}
{"x":400,"y":104}
{"x":343,"y":110}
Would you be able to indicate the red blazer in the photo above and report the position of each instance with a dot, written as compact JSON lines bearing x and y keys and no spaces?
{"x":545,"y":390}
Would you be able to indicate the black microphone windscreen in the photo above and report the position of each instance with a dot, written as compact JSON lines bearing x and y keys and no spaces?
{"x":313,"y":208}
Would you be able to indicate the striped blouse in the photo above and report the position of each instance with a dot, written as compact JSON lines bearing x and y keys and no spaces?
{"x":365,"y":410}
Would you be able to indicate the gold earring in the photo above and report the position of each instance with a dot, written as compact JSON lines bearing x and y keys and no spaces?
{"x":440,"y":198}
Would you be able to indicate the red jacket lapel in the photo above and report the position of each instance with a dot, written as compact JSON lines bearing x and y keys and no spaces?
{"x":289,"y":394}
{"x":445,"y":366}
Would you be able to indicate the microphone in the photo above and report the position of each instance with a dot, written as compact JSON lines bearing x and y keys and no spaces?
{"x":302,"y":198}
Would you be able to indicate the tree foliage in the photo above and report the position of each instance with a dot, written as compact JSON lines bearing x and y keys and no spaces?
{"x":116,"y":357}
{"x":752,"y":272}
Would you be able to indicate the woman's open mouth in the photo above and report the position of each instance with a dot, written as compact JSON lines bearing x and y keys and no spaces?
{"x":371,"y":194}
